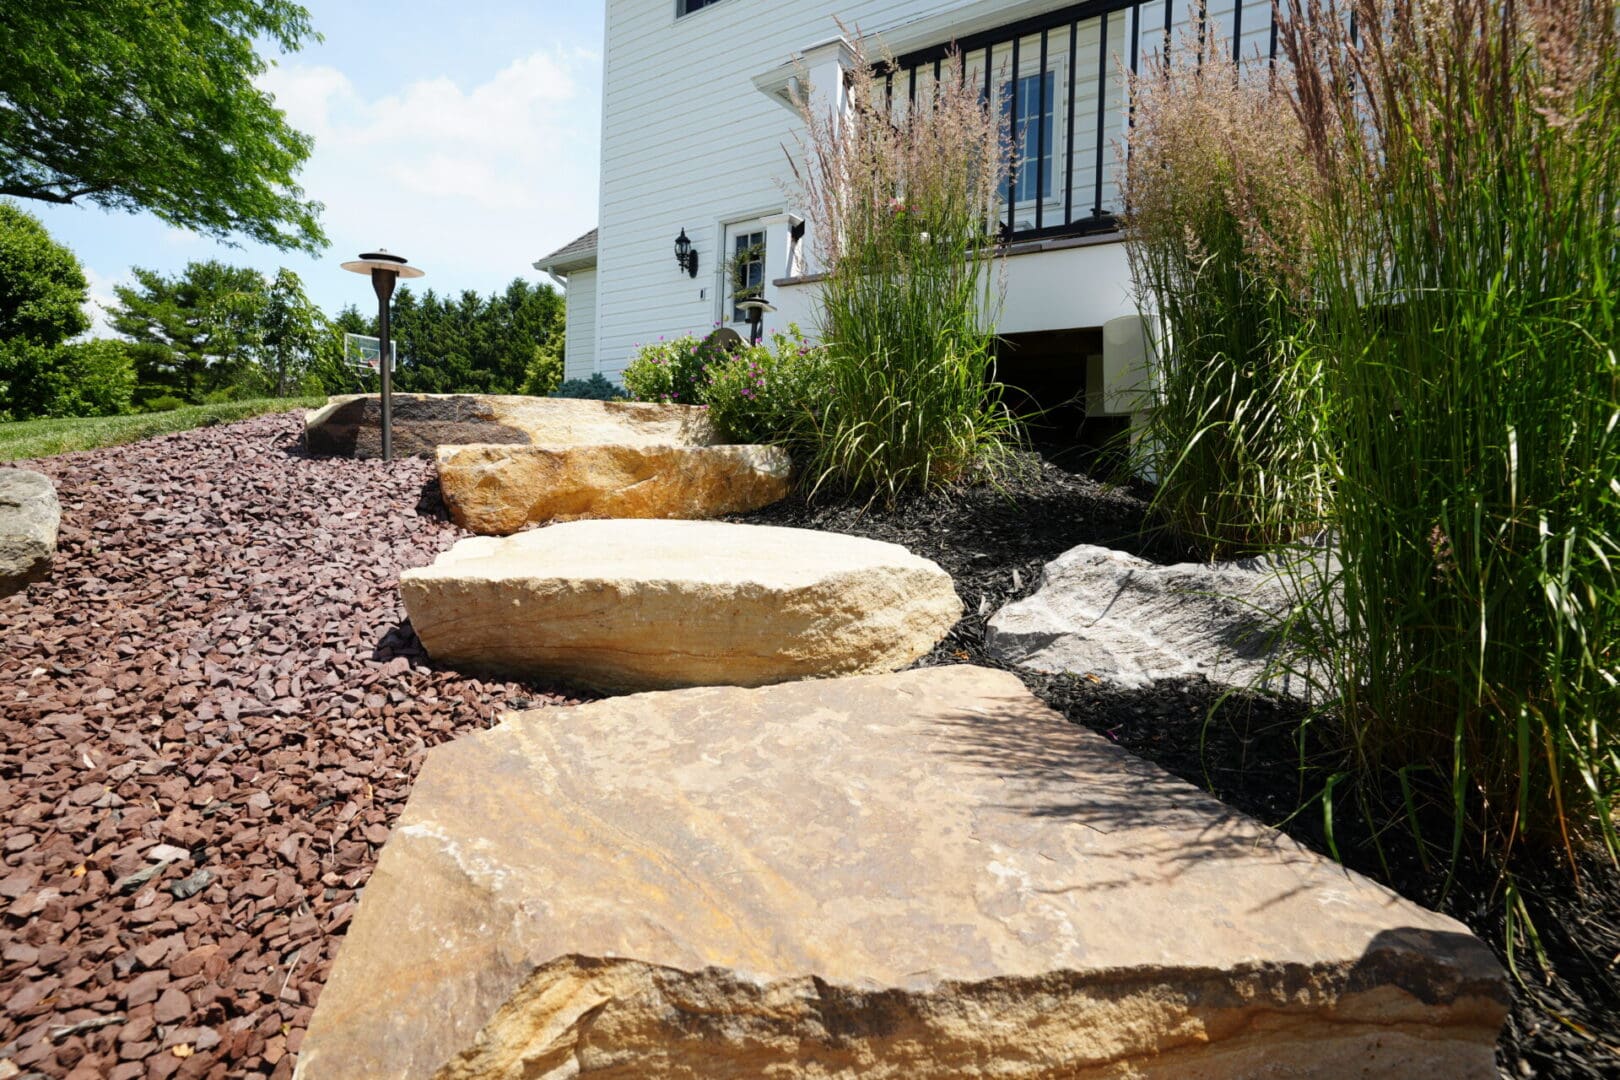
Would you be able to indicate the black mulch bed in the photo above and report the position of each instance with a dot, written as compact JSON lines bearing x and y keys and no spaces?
{"x":1243,"y":747}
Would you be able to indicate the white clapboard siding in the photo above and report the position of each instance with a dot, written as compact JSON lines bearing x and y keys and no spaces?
{"x":689,"y":142}
{"x":580,"y":355}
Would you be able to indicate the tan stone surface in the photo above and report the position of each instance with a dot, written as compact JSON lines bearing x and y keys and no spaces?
{"x":639,"y":605}
{"x":496,"y":490}
{"x":350,"y":425}
{"x":923,"y":874}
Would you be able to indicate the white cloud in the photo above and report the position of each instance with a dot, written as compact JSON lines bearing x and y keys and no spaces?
{"x":472,"y":180}
{"x":495,"y":143}
{"x":100,"y":301}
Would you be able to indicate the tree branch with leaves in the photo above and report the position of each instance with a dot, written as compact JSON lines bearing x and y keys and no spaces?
{"x":138,"y":105}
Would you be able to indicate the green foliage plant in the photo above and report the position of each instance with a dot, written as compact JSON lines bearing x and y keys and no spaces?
{"x":42,"y":285}
{"x":1218,"y":231}
{"x":288,"y":334}
{"x":199,"y":326}
{"x":92,"y":378}
{"x":545,"y":371}
{"x":132,"y":105}
{"x":673,"y":371}
{"x":902,"y":198}
{"x":472,"y":344}
{"x":768,"y":393}
{"x":595,"y":388}
{"x":1468,"y":158}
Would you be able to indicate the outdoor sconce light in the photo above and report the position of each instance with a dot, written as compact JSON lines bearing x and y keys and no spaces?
{"x":685,"y":257}
{"x":384,"y":269}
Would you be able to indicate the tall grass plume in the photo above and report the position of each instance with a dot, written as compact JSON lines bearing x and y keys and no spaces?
{"x":901,"y":197}
{"x":1218,"y":200}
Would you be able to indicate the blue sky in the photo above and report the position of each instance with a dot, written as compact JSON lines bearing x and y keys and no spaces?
{"x":461,"y":135}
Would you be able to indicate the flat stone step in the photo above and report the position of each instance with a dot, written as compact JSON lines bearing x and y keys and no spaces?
{"x":495,"y":490}
{"x":638,"y":605}
{"x":351,"y":425}
{"x":923,"y":874}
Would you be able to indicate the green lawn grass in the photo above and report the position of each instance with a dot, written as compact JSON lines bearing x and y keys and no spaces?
{"x":42,"y":438}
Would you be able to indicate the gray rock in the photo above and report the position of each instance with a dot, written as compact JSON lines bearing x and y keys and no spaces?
{"x":1132,"y":622}
{"x":29,"y":517}
{"x":922,"y":874}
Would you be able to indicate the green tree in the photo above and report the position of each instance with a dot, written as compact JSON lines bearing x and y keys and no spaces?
{"x":473,"y":344}
{"x":91,"y":378}
{"x":42,"y":295}
{"x":135,"y":105}
{"x":42,"y":286}
{"x":204,"y":320}
{"x":545,"y":371}
{"x":290,"y":332}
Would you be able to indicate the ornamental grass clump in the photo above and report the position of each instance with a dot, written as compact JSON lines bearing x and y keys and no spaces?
{"x":1218,"y":236}
{"x":1467,"y":158}
{"x":902,"y":197}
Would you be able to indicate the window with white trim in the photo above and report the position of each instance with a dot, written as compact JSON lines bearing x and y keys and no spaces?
{"x":746,"y":265}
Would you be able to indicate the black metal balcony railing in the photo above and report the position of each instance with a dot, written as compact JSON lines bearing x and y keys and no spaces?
{"x":1057,"y":79}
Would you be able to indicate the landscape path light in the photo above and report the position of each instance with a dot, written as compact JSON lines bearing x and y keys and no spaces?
{"x":756,"y":307}
{"x":385,"y":269}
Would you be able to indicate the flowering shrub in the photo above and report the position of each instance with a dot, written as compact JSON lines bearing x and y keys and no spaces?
{"x":756,"y":393}
{"x":764,"y":394}
{"x":673,"y":371}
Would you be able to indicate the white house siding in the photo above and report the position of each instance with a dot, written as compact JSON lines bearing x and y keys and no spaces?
{"x":579,"y":358}
{"x":689,"y":143}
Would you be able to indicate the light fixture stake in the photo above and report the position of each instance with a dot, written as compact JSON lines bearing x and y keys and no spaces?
{"x":385,"y":270}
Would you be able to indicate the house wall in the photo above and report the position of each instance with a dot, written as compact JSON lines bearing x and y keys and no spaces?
{"x":690,"y":143}
{"x":579,"y":357}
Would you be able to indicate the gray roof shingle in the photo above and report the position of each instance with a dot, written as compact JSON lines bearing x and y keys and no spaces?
{"x":574,"y":255}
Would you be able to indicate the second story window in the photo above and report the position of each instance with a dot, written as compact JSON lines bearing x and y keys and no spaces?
{"x":686,"y":7}
{"x":1031,"y":135}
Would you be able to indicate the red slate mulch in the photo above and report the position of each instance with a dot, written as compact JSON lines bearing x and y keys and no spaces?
{"x":216,"y":665}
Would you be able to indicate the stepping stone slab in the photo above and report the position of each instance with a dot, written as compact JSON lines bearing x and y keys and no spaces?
{"x":922,"y":874}
{"x":638,"y":605}
{"x":351,"y":425}
{"x":1131,"y":622}
{"x":29,"y":518}
{"x":496,"y":490}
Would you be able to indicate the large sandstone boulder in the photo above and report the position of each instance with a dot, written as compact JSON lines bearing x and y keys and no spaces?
{"x":29,"y":517}
{"x":351,"y":426}
{"x":497,"y":490}
{"x":1132,"y":622}
{"x":636,"y":605}
{"x":924,"y":874}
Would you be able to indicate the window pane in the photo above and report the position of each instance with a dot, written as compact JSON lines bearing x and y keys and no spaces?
{"x":747,"y":270}
{"x":1032,"y":166}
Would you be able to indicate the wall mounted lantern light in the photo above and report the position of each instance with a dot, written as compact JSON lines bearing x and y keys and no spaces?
{"x":685,"y":257}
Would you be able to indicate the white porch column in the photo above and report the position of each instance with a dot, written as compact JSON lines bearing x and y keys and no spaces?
{"x":784,"y":257}
{"x":822,"y":76}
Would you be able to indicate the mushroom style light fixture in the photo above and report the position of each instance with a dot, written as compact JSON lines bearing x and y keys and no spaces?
{"x":685,"y":257}
{"x":385,"y":269}
{"x":755,"y":308}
